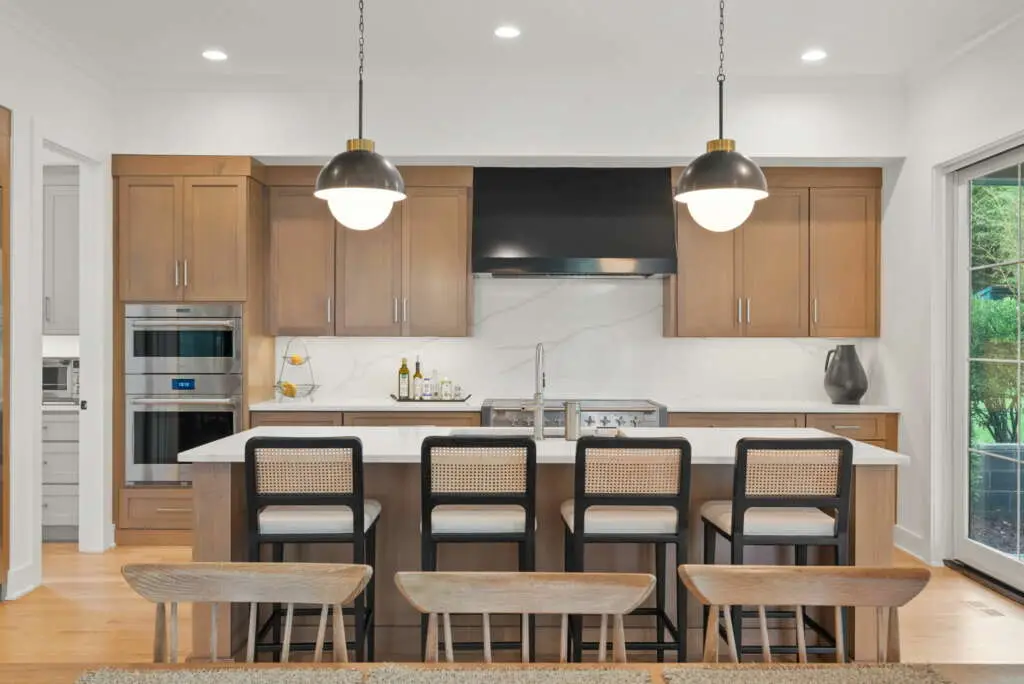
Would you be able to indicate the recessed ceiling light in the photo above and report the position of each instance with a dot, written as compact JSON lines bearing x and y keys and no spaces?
{"x":814,"y":55}
{"x":507,"y":31}
{"x":215,"y":55}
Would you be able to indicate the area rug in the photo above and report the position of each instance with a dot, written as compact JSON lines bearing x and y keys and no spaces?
{"x":305,"y":675}
{"x":804,"y":674}
{"x":537,"y":675}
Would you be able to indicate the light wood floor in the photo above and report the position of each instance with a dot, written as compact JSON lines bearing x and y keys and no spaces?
{"x":86,"y":613}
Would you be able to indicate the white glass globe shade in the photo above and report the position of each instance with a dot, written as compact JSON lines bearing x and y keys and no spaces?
{"x":721,"y":209}
{"x":360,"y":208}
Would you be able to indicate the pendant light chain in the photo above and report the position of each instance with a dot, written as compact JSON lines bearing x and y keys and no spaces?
{"x":362,"y":59}
{"x":721,"y":68}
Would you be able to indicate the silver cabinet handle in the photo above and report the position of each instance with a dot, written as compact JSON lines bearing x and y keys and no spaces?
{"x":405,"y":309}
{"x":46,"y":308}
{"x":396,"y":309}
{"x":173,"y":401}
{"x":815,"y":310}
{"x":177,"y":279}
{"x":739,"y":310}
{"x":748,"y":310}
{"x":329,"y":300}
{"x":846,"y":427}
{"x":174,"y":510}
{"x":226,"y":323}
{"x":186,"y":272}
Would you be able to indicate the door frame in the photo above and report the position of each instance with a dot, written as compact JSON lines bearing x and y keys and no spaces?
{"x":972,"y":553}
{"x":5,"y":279}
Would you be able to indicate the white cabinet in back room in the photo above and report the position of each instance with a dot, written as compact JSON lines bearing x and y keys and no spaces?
{"x":60,"y":250}
{"x":60,"y":475}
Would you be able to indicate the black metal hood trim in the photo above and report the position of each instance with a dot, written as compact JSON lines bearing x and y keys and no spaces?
{"x":556,"y":266}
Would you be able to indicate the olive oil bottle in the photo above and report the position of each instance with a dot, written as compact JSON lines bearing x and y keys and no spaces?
{"x":417,"y":382}
{"x":403,"y":381}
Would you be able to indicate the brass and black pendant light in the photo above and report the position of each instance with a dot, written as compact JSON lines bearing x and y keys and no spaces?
{"x":720,"y":187}
{"x":360,"y":186}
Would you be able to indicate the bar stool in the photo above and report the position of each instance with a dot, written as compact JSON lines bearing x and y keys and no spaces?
{"x":632,"y":491}
{"x":309,"y":490}
{"x":479,"y":490}
{"x":780,"y":487}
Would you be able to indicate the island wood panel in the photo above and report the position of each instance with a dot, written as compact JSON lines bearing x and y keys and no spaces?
{"x":324,"y":418}
{"x":412,"y":418}
{"x":301,"y":285}
{"x":736,"y":420}
{"x":219,"y":491}
{"x":771,"y":266}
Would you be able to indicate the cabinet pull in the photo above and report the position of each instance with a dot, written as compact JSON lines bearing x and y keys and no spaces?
{"x":748,"y":310}
{"x":174,"y":510}
{"x":846,"y":427}
{"x":396,"y":309}
{"x":815,"y":311}
{"x":46,"y":308}
{"x":186,"y":272}
{"x":739,"y":310}
{"x":405,"y":309}
{"x":329,"y":300}
{"x":177,"y":278}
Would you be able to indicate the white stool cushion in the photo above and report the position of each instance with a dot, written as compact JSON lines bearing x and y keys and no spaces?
{"x":623,"y":519}
{"x":779,"y":522}
{"x":468,"y":519}
{"x":315,"y":519}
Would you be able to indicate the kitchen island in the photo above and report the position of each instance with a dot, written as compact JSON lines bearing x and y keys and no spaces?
{"x":392,"y":477}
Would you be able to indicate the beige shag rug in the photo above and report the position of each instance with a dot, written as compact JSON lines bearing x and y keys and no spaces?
{"x":224,"y":676}
{"x":539,"y":675}
{"x":805,"y":674}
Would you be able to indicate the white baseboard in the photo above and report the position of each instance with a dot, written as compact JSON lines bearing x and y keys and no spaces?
{"x":912,"y":543}
{"x":22,"y":580}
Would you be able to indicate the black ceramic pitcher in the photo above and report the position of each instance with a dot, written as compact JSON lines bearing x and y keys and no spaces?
{"x":845,"y":379}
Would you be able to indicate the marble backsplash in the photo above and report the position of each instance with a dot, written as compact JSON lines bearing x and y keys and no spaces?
{"x":603,"y":339}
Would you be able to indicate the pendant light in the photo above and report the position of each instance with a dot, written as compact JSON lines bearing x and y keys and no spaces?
{"x":720,"y":187}
{"x":360,"y":186}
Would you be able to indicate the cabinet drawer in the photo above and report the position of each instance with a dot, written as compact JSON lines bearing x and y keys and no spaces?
{"x":60,"y":463}
{"x":262,"y":418}
{"x":144,"y":508}
{"x":60,"y":427}
{"x":60,"y":505}
{"x":859,"y":426}
{"x":413,"y":418}
{"x":735,"y":420}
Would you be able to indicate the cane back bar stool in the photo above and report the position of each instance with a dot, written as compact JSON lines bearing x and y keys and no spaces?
{"x":632,"y":491}
{"x":479,"y":489}
{"x":309,"y":490}
{"x":782,"y":489}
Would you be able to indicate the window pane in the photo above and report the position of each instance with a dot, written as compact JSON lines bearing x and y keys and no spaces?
{"x":995,"y":217}
{"x":994,"y":401}
{"x":994,"y":499}
{"x":995,"y":324}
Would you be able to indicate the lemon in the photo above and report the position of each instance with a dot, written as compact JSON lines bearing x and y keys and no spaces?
{"x":296,"y":360}
{"x":288,"y":389}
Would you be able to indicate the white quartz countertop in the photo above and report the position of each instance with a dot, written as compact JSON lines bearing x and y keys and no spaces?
{"x":674,"y":406}
{"x":710,"y":446}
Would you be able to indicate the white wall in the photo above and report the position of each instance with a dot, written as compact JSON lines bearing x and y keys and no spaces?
{"x":603,"y":339}
{"x":51,"y":99}
{"x":954,"y":110}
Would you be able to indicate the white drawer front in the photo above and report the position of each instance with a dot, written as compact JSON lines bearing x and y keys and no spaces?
{"x":60,"y":504}
{"x":60,"y":427}
{"x":60,"y":463}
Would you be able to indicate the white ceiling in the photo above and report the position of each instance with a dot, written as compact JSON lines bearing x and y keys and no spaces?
{"x":311,"y":43}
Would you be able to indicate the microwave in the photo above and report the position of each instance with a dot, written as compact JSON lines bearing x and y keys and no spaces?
{"x":60,"y":381}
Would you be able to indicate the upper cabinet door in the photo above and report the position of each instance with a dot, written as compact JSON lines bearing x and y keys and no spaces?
{"x":772,"y":265}
{"x":149,"y":238}
{"x":844,"y":262}
{"x":707,"y":299}
{"x":213,"y":239}
{"x":436,"y":262}
{"x":369,"y":279}
{"x":301,"y":289}
{"x":60,"y":269}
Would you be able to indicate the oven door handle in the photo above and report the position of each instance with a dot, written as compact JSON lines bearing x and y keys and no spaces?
{"x":185,"y":401}
{"x":184,"y":323}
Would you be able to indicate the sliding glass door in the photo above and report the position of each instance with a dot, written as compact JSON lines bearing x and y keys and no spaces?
{"x":990,"y":363}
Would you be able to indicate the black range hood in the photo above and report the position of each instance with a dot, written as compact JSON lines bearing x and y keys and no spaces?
{"x":573,"y":221}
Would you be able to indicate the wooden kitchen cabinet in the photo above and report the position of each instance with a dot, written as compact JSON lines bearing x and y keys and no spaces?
{"x":149,"y":218}
{"x":155,"y":508}
{"x":707,"y":298}
{"x":411,"y":418}
{"x":290,"y":418}
{"x":368,"y":278}
{"x":727,"y":420}
{"x":301,"y":291}
{"x":183,"y":238}
{"x":844,"y":262}
{"x":435,"y":262}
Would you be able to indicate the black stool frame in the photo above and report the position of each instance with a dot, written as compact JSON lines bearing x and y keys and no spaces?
{"x":576,"y":540}
{"x":363,"y":542}
{"x":430,"y":499}
{"x":839,"y":504}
